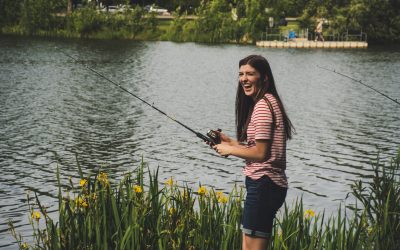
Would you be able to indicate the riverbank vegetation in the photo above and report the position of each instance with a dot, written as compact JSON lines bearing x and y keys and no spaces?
{"x":215,"y":21}
{"x":139,"y":212}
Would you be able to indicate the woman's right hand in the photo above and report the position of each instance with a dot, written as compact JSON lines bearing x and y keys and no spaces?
{"x":224,"y":138}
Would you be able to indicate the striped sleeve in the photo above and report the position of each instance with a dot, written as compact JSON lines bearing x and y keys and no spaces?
{"x":262,"y":120}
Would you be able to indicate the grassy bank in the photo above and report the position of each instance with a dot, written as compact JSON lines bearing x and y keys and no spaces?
{"x":99,"y":214}
{"x":214,"y":22}
{"x":217,"y":21}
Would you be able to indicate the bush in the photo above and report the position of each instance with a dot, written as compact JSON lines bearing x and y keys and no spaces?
{"x":85,"y":21}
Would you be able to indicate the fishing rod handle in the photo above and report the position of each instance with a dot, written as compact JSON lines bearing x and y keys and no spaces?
{"x":207,"y":139}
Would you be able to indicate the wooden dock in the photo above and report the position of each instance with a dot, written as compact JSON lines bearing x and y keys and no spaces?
{"x":302,"y":43}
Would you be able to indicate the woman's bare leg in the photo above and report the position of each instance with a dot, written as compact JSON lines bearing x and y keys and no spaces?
{"x":253,"y":243}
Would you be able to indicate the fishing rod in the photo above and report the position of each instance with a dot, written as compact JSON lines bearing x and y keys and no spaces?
{"x":359,"y":81}
{"x":212,"y":137}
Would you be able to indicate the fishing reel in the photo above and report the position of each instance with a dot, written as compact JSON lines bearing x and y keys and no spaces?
{"x":214,"y":137}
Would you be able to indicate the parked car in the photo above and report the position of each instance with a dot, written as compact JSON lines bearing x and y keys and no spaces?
{"x":158,"y":10}
{"x":112,"y":9}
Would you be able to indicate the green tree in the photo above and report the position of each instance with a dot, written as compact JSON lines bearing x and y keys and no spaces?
{"x":10,"y":12}
{"x":379,"y":19}
{"x":69,"y":6}
{"x":36,"y":15}
{"x":139,"y":21}
{"x":215,"y":23}
{"x":240,"y":8}
{"x":292,"y":8}
{"x":256,"y":18}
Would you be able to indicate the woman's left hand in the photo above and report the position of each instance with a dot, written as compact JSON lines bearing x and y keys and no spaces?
{"x":223,"y":149}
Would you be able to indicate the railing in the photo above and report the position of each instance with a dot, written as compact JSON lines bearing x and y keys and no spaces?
{"x":272,"y":37}
{"x":277,"y":35}
{"x":362,"y":37}
{"x":336,"y":37}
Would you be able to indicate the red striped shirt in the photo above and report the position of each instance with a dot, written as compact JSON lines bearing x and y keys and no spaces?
{"x":260,"y":127}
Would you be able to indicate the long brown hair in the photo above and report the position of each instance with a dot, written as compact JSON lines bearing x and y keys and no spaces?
{"x":245,"y":104}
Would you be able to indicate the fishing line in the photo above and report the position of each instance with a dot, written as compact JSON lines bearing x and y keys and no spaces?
{"x":359,"y":81}
{"x":212,"y":137}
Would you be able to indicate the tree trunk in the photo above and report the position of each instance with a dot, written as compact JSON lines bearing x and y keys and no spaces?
{"x":69,"y":7}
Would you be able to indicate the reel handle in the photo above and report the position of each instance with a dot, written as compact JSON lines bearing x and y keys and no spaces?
{"x":214,"y":136}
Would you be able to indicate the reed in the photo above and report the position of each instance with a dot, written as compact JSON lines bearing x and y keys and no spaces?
{"x":97,"y":214}
{"x":374,"y":222}
{"x":138,"y":212}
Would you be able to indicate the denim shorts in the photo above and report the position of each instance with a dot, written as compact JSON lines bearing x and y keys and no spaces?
{"x":263,"y":200}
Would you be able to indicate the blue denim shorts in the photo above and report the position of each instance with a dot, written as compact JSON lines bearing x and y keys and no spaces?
{"x":263,"y":200}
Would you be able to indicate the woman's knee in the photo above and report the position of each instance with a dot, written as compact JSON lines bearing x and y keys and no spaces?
{"x":254,"y":243}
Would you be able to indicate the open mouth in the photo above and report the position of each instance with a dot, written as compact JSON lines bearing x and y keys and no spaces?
{"x":246,"y":86}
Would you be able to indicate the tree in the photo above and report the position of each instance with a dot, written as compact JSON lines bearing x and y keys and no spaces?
{"x":215,"y":23}
{"x":380,"y":19}
{"x":36,"y":15}
{"x":69,"y":6}
{"x":256,"y":18}
{"x":10,"y":12}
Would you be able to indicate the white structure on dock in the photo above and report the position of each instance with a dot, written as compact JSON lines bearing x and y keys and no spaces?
{"x":302,"y":43}
{"x":302,"y":38}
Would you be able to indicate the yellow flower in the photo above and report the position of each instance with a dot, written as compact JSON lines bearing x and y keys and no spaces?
{"x":202,"y":190}
{"x":93,"y":196}
{"x":137,"y":189}
{"x":35,"y":215}
{"x":169,"y":182}
{"x":221,"y":197}
{"x":309,"y":213}
{"x":103,"y":178}
{"x":25,"y":245}
{"x":82,"y":182}
{"x":171,"y":211}
{"x":80,"y":202}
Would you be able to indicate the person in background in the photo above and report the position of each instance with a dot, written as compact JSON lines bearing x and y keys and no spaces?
{"x":262,"y":129}
{"x":291,"y":35}
{"x":318,"y":31}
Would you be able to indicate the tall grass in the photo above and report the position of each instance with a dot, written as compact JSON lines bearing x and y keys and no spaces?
{"x":373,"y":224}
{"x":99,"y":214}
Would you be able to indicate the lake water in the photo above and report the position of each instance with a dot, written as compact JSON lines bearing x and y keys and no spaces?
{"x":51,"y":105}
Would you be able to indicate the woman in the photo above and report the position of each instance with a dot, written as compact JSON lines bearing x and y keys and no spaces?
{"x":261,"y":122}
